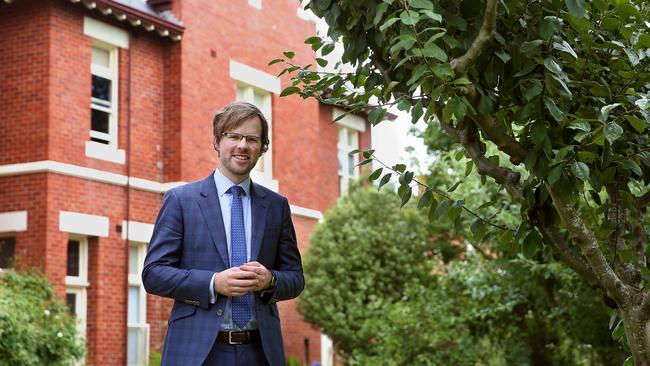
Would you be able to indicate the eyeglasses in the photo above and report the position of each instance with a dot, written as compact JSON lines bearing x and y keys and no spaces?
{"x":235,"y":138}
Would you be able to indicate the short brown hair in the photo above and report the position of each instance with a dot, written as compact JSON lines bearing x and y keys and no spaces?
{"x":233,"y":115}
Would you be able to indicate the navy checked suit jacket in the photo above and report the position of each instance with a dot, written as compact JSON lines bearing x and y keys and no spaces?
{"x":188,"y":246}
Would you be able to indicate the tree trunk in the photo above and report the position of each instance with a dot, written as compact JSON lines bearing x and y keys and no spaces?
{"x":637,"y":330}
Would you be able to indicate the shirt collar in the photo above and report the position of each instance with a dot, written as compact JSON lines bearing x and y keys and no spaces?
{"x":224,"y":184}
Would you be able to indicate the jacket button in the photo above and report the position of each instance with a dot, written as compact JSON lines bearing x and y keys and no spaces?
{"x":219,"y":312}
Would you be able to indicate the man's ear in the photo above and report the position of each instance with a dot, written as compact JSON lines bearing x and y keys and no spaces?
{"x":215,"y":144}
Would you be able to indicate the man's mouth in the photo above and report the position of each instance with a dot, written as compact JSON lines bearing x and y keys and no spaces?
{"x":241,"y":157}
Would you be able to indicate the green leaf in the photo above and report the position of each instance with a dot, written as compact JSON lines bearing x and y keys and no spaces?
{"x":468,"y":167}
{"x":442,"y":208}
{"x":619,"y":331}
{"x":604,"y":111}
{"x":364,"y":162}
{"x":533,"y":90}
{"x":381,"y":9}
{"x":636,"y":123}
{"x":321,"y":62}
{"x":421,"y":4}
{"x":275,"y":61}
{"x":576,"y":8}
{"x":425,"y":199}
{"x":327,"y":49}
{"x":313,"y":40}
{"x":431,"y":15}
{"x":432,"y":50}
{"x":580,"y":170}
{"x":548,"y":26}
{"x":406,"y":196}
{"x":368,"y":153}
{"x":388,"y":23}
{"x":556,"y":113}
{"x":399,"y":167}
{"x":555,"y":174}
{"x":485,"y":104}
{"x":376,"y":116}
{"x":443,"y":71}
{"x":416,"y":112}
{"x":289,"y":90}
{"x":453,"y":187}
{"x":375,"y":175}
{"x":503,"y":56}
{"x":355,"y":151}
{"x":552,"y":66}
{"x":612,"y":132}
{"x":529,"y":48}
{"x":629,"y":361}
{"x":566,"y":47}
{"x":289,"y":54}
{"x":409,"y":17}
{"x":385,"y":179}
{"x":538,"y":132}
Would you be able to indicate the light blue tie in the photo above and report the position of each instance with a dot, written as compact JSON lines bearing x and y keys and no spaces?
{"x":241,"y":305}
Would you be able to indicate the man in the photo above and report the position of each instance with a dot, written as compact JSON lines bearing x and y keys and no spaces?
{"x":225,"y":250}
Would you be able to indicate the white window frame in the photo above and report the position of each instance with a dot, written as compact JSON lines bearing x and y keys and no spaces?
{"x":344,"y":147}
{"x":262,"y":173}
{"x":111,"y":38}
{"x":257,"y":4}
{"x":142,"y":327}
{"x":78,"y":285}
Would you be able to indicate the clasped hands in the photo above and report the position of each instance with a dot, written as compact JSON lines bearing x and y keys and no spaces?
{"x":237,"y":281}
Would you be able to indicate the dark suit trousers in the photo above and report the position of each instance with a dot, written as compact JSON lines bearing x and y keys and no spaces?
{"x":223,"y":354}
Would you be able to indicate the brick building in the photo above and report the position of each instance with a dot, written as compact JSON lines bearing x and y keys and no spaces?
{"x":106,"y":104}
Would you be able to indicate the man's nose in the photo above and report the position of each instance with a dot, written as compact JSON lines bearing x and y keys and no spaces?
{"x":242,"y":144}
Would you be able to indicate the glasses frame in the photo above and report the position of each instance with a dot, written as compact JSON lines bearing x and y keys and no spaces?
{"x":250,"y":139}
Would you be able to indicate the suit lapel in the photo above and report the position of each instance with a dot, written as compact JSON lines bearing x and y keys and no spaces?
{"x":259,"y":208}
{"x":211,"y":211}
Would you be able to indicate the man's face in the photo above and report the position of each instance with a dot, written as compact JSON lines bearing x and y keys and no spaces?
{"x":238,"y":158}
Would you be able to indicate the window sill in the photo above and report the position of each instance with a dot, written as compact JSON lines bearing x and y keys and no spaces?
{"x":104,"y":152}
{"x":265,"y":180}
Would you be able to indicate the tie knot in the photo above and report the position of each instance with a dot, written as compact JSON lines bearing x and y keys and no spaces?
{"x":236,"y":191}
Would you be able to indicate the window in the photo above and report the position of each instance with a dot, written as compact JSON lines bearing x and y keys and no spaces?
{"x":76,"y":280}
{"x":348,"y":141}
{"x":138,"y":329}
{"x":103,"y":100}
{"x":7,"y":251}
{"x":263,"y":171}
{"x":255,"y":3}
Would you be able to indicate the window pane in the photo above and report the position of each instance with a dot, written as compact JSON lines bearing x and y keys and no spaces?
{"x":350,"y":164}
{"x":353,"y":138}
{"x":133,"y":261}
{"x":134,"y":305}
{"x":343,"y":140}
{"x":7,"y":251}
{"x":101,"y":57}
{"x":341,"y":159}
{"x":101,"y":88}
{"x":132,"y":348}
{"x":99,"y":121}
{"x":71,"y":301}
{"x":73,"y":258}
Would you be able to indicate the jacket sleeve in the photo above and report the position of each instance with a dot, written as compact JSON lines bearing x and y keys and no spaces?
{"x":288,"y":266}
{"x":163,"y":274}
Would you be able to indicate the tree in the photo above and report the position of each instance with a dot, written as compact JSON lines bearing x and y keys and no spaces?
{"x":379,"y":289}
{"x":35,"y":327}
{"x":560,"y":88}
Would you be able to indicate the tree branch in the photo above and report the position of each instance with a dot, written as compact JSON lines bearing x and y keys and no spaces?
{"x":588,"y":244}
{"x":485,"y":35}
{"x":558,"y":244}
{"x":495,"y":132}
{"x":467,"y":134}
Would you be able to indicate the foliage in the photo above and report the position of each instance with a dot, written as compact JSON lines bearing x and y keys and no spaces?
{"x":483,"y":312}
{"x":360,"y":259}
{"x":35,"y":327}
{"x":560,"y":88}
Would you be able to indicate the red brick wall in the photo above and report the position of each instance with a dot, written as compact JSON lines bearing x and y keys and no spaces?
{"x":24,"y":82}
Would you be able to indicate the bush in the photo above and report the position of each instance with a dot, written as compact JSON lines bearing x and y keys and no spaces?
{"x":35,"y":327}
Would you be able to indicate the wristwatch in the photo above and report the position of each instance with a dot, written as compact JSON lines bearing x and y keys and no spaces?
{"x":274,"y":281}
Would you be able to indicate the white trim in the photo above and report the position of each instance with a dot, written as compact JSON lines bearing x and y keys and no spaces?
{"x":254,"y":77}
{"x":350,"y":120}
{"x":137,"y":231}
{"x":13,"y":221}
{"x":105,"y":32}
{"x":264,"y":180}
{"x":326,"y":350}
{"x":49,"y":166}
{"x":105,"y":152}
{"x":306,"y":212}
{"x":85,"y":224}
